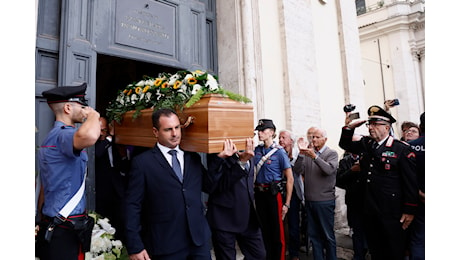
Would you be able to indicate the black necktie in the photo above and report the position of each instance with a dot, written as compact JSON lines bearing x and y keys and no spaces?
{"x":176,"y":164}
{"x":375,"y":145}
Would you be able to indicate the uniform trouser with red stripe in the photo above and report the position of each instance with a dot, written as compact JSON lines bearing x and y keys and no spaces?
{"x":64,"y":244}
{"x":269,"y":208}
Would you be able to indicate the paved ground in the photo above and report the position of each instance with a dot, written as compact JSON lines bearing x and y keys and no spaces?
{"x":344,"y":249}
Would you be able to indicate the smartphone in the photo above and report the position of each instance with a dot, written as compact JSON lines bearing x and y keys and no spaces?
{"x":395,"y":102}
{"x":354,"y":116}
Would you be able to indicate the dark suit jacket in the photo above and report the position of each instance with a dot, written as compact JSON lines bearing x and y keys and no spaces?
{"x":109,"y":181}
{"x":231,"y":200}
{"x":164,"y":215}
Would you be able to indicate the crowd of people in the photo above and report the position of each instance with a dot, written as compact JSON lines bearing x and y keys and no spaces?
{"x":268,"y":200}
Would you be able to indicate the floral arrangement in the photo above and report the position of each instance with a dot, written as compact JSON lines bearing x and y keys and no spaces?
{"x":167,"y":90}
{"x":103,"y":244}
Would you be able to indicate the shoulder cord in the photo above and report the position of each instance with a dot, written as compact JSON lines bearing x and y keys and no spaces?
{"x":262,"y":161}
{"x":72,"y":203}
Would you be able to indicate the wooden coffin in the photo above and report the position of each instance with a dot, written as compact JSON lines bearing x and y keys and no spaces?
{"x":214,"y":118}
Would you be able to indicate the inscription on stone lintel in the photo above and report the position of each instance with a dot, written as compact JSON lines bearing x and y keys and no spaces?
{"x":146,"y":25}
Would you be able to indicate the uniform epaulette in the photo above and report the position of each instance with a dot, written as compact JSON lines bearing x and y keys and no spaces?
{"x":401,"y":141}
{"x":404,"y":142}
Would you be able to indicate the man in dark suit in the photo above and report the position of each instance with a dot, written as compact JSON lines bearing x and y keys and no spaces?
{"x":231,"y":212}
{"x":111,"y":166}
{"x":165,"y":217}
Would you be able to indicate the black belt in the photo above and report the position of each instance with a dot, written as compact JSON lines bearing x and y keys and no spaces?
{"x":69,"y":222}
{"x":262,"y":187}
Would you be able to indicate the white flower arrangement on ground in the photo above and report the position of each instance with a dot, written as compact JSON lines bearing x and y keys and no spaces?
{"x":103,"y":243}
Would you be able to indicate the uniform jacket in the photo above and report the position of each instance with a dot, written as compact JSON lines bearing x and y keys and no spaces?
{"x":320,"y":175}
{"x":391,"y":182}
{"x":419,"y":148}
{"x":164,"y":215}
{"x":231,"y":200}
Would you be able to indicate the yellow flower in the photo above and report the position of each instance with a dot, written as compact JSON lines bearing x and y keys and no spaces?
{"x":177,"y":84}
{"x":138,"y":90}
{"x":164,"y":85}
{"x":125,"y":91}
{"x":157,"y":82}
{"x":129,"y":92}
{"x":192,"y":81}
{"x":146,"y":88}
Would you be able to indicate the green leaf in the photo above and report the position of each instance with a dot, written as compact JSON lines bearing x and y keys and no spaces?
{"x":199,"y":94}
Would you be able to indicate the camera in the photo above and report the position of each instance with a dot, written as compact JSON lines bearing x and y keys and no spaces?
{"x":354,"y":116}
{"x":349,"y":108}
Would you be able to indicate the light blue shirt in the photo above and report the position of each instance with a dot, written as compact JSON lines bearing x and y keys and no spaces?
{"x":273,"y":167}
{"x":61,"y":170}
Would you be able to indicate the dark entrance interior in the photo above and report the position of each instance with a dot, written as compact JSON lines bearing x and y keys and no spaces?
{"x":114,"y":73}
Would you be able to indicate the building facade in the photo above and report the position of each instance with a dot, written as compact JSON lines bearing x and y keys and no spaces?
{"x":299,"y":62}
{"x":392,"y":41}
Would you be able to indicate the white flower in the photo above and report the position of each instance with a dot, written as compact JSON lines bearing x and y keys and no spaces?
{"x":187,"y":77}
{"x":98,"y":245}
{"x":106,"y":226}
{"x":211,"y":83}
{"x":195,"y":89}
{"x":148,"y":95}
{"x":140,"y":83}
{"x":102,"y":241}
{"x":120,"y":99}
{"x":134,"y":98}
{"x":108,"y":244}
{"x":149,"y":82}
{"x":183,"y":88}
{"x":117,"y":244}
{"x":173,"y":79}
{"x":159,"y":95}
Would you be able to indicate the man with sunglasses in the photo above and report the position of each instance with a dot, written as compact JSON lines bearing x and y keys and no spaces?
{"x":391,"y":194}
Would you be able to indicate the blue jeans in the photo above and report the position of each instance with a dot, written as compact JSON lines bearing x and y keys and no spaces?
{"x":320,"y":215}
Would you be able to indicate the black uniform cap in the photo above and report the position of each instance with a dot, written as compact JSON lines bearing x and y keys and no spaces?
{"x":66,"y":94}
{"x":264,"y":124}
{"x":376,"y":113}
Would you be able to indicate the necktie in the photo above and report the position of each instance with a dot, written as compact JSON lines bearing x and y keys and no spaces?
{"x":176,"y":164}
{"x":375,"y":145}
